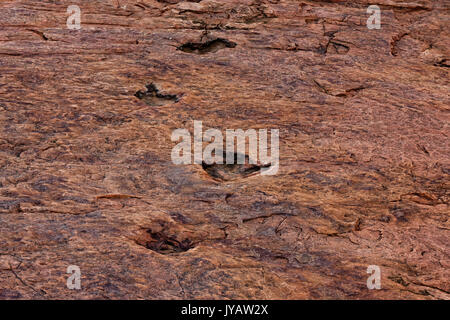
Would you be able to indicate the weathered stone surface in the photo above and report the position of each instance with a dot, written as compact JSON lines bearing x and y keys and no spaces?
{"x":86,"y":176}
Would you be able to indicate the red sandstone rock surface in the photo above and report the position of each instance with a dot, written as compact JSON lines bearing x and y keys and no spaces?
{"x":86,"y":176}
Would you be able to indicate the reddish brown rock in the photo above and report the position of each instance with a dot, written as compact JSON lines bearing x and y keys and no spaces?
{"x":86,"y":175}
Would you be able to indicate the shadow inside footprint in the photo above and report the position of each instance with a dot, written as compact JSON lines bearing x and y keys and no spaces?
{"x":227,"y":172}
{"x":154,"y":98}
{"x":163,"y":243}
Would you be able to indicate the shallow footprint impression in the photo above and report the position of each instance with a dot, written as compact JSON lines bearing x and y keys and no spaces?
{"x":154,"y":98}
{"x":228,"y":172}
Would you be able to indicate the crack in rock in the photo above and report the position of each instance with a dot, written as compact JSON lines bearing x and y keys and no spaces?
{"x":206,"y":47}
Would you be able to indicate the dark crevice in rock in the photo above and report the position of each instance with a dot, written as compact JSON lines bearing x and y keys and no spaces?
{"x":164,"y":244}
{"x":227,"y":172}
{"x":154,"y":98}
{"x":445,"y":63}
{"x":333,"y":46}
{"x":350,"y":92}
{"x":337,"y":48}
{"x":39,"y":33}
{"x":206,"y":47}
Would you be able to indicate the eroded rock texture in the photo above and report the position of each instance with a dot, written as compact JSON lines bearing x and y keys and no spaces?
{"x":86,"y":176}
